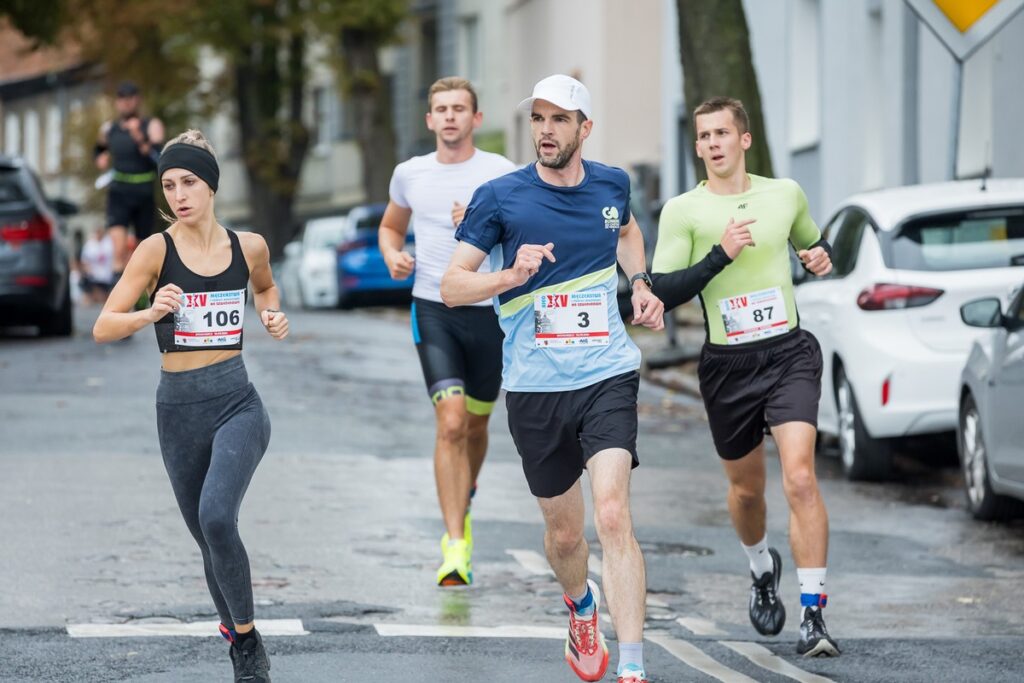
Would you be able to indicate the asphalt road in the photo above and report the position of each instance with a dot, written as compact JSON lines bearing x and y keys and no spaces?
{"x":342,"y":531}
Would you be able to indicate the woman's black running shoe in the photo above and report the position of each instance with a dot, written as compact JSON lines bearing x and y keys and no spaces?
{"x":250,"y":661}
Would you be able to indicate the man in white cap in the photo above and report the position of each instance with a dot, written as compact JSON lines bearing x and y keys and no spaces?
{"x":554,"y":231}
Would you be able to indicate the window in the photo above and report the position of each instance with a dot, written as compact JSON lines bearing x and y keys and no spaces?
{"x":53,"y":137}
{"x":322,"y":133}
{"x":12,"y":134}
{"x":990,"y":238}
{"x":31,"y":152}
{"x":469,"y":48}
{"x":846,"y":242}
{"x":804,"y":75}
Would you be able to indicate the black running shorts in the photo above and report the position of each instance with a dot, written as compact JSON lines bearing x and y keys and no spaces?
{"x":460,"y":352}
{"x":131,"y":207}
{"x":557,"y":432}
{"x":749,"y":387}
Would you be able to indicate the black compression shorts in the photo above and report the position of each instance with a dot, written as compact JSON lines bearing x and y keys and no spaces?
{"x":460,"y":352}
{"x":749,"y":387}
{"x":131,"y":207}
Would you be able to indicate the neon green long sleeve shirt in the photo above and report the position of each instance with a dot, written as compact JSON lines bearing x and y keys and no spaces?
{"x":694,"y":222}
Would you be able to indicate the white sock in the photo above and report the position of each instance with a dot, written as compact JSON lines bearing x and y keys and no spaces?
{"x":760,"y":560}
{"x":812,"y":582}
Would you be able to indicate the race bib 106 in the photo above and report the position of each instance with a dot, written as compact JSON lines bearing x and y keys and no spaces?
{"x":571,"y":319}
{"x":753,"y":316}
{"x":210,"y":319}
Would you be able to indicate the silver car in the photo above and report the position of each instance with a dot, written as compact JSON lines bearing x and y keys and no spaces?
{"x":990,"y":431}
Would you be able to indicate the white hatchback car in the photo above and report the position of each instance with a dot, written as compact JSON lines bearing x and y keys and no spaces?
{"x":311,"y":264}
{"x":888,"y":318}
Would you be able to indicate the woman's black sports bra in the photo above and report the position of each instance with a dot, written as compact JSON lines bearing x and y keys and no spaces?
{"x":213,"y":308}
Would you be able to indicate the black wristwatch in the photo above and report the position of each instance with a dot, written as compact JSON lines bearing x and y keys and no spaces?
{"x":641,"y":276}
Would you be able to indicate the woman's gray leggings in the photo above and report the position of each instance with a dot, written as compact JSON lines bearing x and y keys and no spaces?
{"x":213,"y":433}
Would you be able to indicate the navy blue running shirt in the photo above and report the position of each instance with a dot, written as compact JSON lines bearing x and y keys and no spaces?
{"x":583,"y":222}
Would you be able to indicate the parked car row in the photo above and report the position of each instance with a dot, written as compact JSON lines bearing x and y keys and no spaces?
{"x":894,"y":342}
{"x":337,"y":263}
{"x":35,"y":283}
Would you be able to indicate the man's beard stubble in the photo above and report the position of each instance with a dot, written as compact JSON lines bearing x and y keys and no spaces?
{"x":562,"y":158}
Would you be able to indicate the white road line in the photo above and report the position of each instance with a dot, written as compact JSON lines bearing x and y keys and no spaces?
{"x":440,"y":631}
{"x":532,"y":561}
{"x":764,"y":658}
{"x":700,"y":627}
{"x":594,"y":565}
{"x":267,"y":627}
{"x":694,"y":657}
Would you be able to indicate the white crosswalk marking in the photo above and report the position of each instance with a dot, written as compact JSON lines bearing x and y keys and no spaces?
{"x":700,"y":627}
{"x":267,"y":627}
{"x":531,"y":561}
{"x":764,"y":657}
{"x":696,"y":658}
{"x":443,"y":631}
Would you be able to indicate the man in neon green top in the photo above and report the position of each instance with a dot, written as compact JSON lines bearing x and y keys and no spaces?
{"x":727,"y":240}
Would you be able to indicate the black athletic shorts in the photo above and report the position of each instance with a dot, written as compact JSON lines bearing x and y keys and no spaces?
{"x":557,"y":432}
{"x":749,"y":387}
{"x":460,"y":352}
{"x":132,"y":207}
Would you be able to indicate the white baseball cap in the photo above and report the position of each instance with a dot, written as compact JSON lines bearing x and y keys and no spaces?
{"x":562,"y":91}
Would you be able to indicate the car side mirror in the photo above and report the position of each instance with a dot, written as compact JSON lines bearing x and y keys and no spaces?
{"x":985,"y":312}
{"x":293,"y":250}
{"x":63,"y":207}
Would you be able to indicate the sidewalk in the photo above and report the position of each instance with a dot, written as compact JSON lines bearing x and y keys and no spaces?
{"x":673,"y":367}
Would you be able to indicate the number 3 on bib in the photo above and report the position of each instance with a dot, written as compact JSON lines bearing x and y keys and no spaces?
{"x":571,"y":319}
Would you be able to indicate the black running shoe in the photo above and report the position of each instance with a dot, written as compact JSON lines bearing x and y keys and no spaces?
{"x":814,"y":638}
{"x":250,"y":661}
{"x":767,"y":613}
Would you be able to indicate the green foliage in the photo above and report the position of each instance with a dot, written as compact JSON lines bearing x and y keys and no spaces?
{"x":40,"y":21}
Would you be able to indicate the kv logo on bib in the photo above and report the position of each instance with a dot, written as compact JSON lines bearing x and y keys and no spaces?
{"x":611,"y":217}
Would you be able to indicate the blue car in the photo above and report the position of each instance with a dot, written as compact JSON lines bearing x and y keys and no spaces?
{"x":362,"y":274}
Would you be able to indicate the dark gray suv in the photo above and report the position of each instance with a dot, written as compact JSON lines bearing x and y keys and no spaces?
{"x":34,"y":255}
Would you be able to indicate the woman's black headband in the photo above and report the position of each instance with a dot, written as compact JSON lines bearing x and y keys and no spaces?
{"x":190,"y":158}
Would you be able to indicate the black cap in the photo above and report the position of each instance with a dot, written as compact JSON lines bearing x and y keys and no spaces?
{"x":127,"y":89}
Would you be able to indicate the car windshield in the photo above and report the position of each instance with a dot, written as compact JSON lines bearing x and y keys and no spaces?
{"x":990,"y":238}
{"x":10,"y":189}
{"x":323,"y":236}
{"x":370,"y":221}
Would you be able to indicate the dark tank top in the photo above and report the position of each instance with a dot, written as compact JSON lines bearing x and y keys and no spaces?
{"x":124,"y":153}
{"x":212,"y":312}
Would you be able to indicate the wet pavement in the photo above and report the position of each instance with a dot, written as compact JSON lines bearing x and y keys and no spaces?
{"x":342,"y":530}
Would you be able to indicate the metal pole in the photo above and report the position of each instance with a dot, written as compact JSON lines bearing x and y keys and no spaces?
{"x":954,"y":149}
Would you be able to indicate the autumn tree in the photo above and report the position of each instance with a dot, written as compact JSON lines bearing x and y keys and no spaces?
{"x":714,"y":46}
{"x":264,"y":47}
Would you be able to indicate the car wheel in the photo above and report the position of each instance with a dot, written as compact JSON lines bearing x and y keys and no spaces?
{"x":60,"y":323}
{"x":982,"y":501}
{"x":864,"y":457}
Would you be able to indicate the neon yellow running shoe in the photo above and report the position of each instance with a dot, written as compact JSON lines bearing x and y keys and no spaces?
{"x":457,"y":569}
{"x":467,"y":530}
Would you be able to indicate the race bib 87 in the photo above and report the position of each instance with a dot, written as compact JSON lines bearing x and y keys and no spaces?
{"x":755,"y":315}
{"x":210,"y":319}
{"x":571,"y":319}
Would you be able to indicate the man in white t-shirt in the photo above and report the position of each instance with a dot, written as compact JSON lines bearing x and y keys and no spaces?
{"x":97,"y":266}
{"x":459,"y":348}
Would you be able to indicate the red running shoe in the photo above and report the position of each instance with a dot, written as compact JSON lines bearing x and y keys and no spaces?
{"x":585,"y":649}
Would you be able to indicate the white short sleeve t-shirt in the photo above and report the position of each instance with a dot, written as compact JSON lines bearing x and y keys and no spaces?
{"x":98,"y":259}
{"x":430,"y":189}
